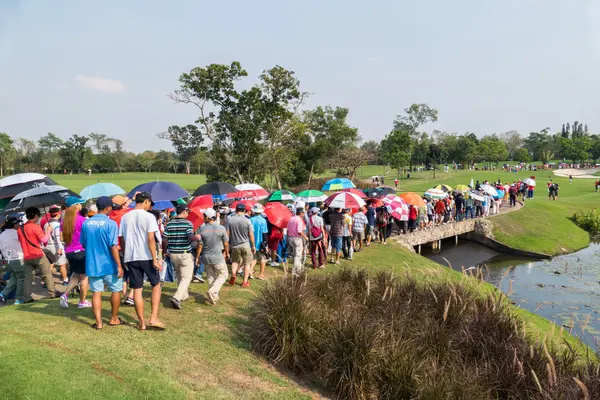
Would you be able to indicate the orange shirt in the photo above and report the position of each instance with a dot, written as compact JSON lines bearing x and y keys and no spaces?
{"x":36,"y":236}
{"x":117,"y":215}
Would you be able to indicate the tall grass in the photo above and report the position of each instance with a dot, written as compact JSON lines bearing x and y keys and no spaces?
{"x":588,"y":220}
{"x":379,"y":337}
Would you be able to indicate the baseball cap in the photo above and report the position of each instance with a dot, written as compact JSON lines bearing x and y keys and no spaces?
{"x":300,"y":204}
{"x":143,"y":196}
{"x":210,"y":213}
{"x":181,"y":208}
{"x":258,"y":208}
{"x":119,"y":200}
{"x":104,"y":202}
{"x":73,"y":200}
{"x":240,"y":207}
{"x":224,"y":210}
{"x":54,"y":209}
{"x":314,"y":210}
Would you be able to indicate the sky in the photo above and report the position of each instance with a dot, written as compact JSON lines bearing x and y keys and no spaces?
{"x":86,"y":66}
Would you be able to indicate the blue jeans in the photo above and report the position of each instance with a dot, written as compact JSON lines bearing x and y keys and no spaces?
{"x":469,"y":212}
{"x":198,"y":268}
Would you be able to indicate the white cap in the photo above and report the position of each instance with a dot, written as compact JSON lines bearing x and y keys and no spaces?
{"x":258,"y":208}
{"x":210,"y":213}
{"x":300,"y":204}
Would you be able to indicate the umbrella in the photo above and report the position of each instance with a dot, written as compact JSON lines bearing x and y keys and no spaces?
{"x":99,"y":190}
{"x":217,"y":190}
{"x":357,"y":192}
{"x":412,"y":199}
{"x":249,"y":191}
{"x":476,"y":196}
{"x":375,"y":202}
{"x":500,"y":194}
{"x":445,"y":188}
{"x":248,"y":203}
{"x":282,"y":195}
{"x":158,"y":205}
{"x":278,"y":214}
{"x":160,"y":191}
{"x":436,"y":194}
{"x":489,"y":190}
{"x":204,"y":201}
{"x":337,"y":184}
{"x":39,"y":197}
{"x":344,"y":200}
{"x":462,"y":188}
{"x":529,"y":182}
{"x":15,"y":184}
{"x":311,"y":196}
{"x":385,"y":190}
{"x":196,"y":217}
{"x":398,"y":205}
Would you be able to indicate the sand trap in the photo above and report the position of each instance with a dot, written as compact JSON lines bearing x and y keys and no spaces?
{"x":577,"y":173}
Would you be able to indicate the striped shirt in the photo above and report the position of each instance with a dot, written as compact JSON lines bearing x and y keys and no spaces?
{"x":178,"y":232}
{"x":359,"y":220}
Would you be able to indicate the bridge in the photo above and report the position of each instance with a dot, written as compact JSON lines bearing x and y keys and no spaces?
{"x":436,"y":234}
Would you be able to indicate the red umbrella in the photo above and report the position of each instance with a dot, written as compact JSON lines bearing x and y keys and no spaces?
{"x":254,"y":194}
{"x":204,"y":202}
{"x":278,"y":214}
{"x":356,"y":191}
{"x":376,"y":202}
{"x":247,"y":203}
{"x":196,"y":217}
{"x":398,"y":205}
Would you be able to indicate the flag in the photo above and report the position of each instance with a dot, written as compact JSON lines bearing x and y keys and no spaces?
{"x":471,"y":184}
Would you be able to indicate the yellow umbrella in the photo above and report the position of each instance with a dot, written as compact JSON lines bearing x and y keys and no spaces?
{"x":462,"y":188}
{"x":445,"y":188}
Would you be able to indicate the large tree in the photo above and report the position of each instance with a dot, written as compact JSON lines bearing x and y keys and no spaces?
{"x":7,"y":152}
{"x":492,"y":149}
{"x":187,"y":141}
{"x":76,"y":154}
{"x":49,"y":147}
{"x":413,"y":118}
{"x":396,"y":149}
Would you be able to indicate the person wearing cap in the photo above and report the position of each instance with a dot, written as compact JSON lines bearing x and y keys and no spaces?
{"x":177,"y":245}
{"x":32,"y":238}
{"x":100,"y":238}
{"x":214,"y":248}
{"x":316,"y":234}
{"x":140,"y":253}
{"x":347,"y":235}
{"x":297,"y":239}
{"x":12,"y":253}
{"x":70,"y":235}
{"x":241,"y":239}
{"x":55,"y":245}
{"x":259,"y":225}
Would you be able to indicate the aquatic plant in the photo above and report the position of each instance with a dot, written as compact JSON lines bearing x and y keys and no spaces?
{"x":588,"y":220}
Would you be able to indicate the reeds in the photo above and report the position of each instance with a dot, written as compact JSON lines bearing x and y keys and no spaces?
{"x":381,"y":337}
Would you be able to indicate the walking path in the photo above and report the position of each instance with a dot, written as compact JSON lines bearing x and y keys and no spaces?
{"x":577,"y":173}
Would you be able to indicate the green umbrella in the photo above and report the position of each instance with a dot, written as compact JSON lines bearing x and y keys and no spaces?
{"x":282,"y":195}
{"x":311,"y":196}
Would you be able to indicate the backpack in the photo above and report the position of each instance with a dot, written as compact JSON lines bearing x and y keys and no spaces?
{"x":276,"y":233}
{"x":382,"y":218}
{"x":315,"y":231}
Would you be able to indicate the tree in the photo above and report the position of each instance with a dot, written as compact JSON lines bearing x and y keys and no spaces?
{"x":187,"y":141}
{"x":492,"y":149}
{"x":414,"y":117}
{"x":371,"y":147}
{"x":576,"y":149}
{"x":537,"y":143}
{"x":26,"y":151}
{"x":436,"y":156}
{"x":595,"y":147}
{"x":466,"y":149}
{"x":546,"y":156}
{"x":49,"y":148}
{"x":567,"y":130}
{"x":396,"y":149}
{"x":349,"y":159}
{"x":146,"y":160}
{"x":513,"y":141}
{"x":7,"y":152}
{"x":585,"y":129}
{"x":521,"y":155}
{"x":575,"y":133}
{"x":76,"y":154}
{"x":564,"y":131}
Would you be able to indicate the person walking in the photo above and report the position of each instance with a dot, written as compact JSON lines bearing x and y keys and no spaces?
{"x":347,"y":235}
{"x":241,"y":240}
{"x":336,"y":219}
{"x":214,"y":248}
{"x":12,"y":254}
{"x":71,"y":232}
{"x":296,"y":240}
{"x":470,"y":205}
{"x":396,"y":182}
{"x":359,"y":224}
{"x":55,"y":246}
{"x":177,"y":246}
{"x":371,"y":219}
{"x":261,"y":238}
{"x":512,"y":194}
{"x":459,"y":202}
{"x":120,"y":208}
{"x":140,"y":253}
{"x":100,"y":238}
{"x":316,"y":236}
{"x":32,"y":238}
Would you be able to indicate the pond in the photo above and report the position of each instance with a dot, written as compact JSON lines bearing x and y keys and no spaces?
{"x":565,"y":290}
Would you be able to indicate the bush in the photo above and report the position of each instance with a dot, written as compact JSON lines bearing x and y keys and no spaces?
{"x":589,"y":220}
{"x":380,"y":337}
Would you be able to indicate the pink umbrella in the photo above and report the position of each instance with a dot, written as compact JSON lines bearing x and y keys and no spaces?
{"x":344,"y":200}
{"x":356,"y":191}
{"x":398,"y":205}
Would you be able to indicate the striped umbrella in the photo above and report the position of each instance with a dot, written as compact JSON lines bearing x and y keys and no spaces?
{"x":311,"y":196}
{"x":445,"y":188}
{"x":249,"y":191}
{"x":398,"y":205}
{"x":337,"y":184}
{"x":282,"y":195}
{"x":412,"y":199}
{"x":344,"y":200}
{"x":436,"y":194}
{"x":357,"y":192}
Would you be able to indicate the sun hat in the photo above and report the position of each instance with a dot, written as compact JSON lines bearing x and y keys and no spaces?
{"x":258,"y":208}
{"x":73,"y":200}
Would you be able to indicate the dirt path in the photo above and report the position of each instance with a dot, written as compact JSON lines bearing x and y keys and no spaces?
{"x":577,"y":173}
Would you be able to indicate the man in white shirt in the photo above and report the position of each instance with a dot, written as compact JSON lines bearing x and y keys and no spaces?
{"x":10,"y":247}
{"x":140,"y":254}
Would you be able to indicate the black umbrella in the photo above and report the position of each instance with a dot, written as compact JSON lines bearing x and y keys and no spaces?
{"x":217,"y":190}
{"x":385,"y":190}
{"x":15,"y":184}
{"x":373,"y":193}
{"x":39,"y":197}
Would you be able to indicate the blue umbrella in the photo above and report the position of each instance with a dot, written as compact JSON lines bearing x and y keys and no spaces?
{"x":160,"y":205}
{"x":160,"y":191}
{"x":101,"y":189}
{"x":337,"y":184}
{"x":500,"y":194}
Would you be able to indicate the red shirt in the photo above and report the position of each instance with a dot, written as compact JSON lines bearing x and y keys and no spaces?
{"x":412,"y":214}
{"x":117,"y":215}
{"x":36,"y":236}
{"x":440,"y":207}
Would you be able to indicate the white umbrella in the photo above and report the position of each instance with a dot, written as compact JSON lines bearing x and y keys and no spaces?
{"x":476,"y":196}
{"x":489,"y":190}
{"x":436,"y":194}
{"x":529,"y":182}
{"x":21,"y":178}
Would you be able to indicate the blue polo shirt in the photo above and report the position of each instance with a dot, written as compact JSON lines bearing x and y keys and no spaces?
{"x":98,"y":235}
{"x":259,"y":224}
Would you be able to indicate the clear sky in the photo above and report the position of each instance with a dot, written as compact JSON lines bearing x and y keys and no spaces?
{"x":81,"y":66}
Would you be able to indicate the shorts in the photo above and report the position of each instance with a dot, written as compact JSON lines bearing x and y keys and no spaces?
{"x":430,"y":217}
{"x":260,"y":256}
{"x":423,"y":219}
{"x":370,"y":229}
{"x":336,"y":243}
{"x":358,"y":236}
{"x":137,"y":269}
{"x":273,"y":244}
{"x":62,"y":259}
{"x":113,"y":282}
{"x":327,"y":228}
{"x":241,"y":255}
{"x":76,"y":261}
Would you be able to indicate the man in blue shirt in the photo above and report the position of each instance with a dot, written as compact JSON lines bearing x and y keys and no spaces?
{"x":370,"y":228}
{"x":259,"y":224}
{"x":100,"y":238}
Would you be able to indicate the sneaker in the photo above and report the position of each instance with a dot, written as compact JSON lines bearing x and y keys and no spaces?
{"x":17,"y":302}
{"x":129,"y":302}
{"x":2,"y":299}
{"x":200,"y":278}
{"x":232,"y":281}
{"x":246,"y":284}
{"x":64,"y":301}
{"x":65,"y":283}
{"x":84,"y":304}
{"x":175,"y":303}
{"x":240,"y":272}
{"x":210,"y":297}
{"x":251,"y":276}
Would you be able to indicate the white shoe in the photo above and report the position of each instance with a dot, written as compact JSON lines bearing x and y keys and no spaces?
{"x":64,"y":301}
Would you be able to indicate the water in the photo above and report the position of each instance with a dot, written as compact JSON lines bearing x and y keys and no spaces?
{"x":565,"y":290}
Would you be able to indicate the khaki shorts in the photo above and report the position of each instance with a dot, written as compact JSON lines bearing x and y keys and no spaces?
{"x":241,"y":255}
{"x":358,"y":236}
{"x":260,"y":256}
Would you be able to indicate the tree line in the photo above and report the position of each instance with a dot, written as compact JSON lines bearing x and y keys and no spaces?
{"x":265,"y":131}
